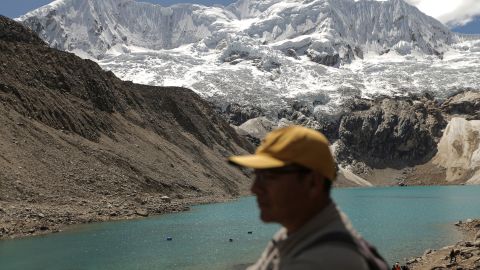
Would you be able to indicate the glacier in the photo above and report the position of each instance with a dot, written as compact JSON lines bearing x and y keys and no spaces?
{"x":268,"y":53}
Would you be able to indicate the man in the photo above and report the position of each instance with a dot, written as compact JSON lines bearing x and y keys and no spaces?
{"x":294,"y":171}
{"x":453,"y":256}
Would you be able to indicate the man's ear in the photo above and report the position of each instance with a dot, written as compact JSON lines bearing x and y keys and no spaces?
{"x":316,"y":182}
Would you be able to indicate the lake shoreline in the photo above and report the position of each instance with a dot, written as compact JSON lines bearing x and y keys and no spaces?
{"x":467,"y":249}
{"x":29,"y":219}
{"x":201,"y":236}
{"x":24,"y":219}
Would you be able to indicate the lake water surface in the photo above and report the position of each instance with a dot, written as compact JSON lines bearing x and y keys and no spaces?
{"x":400,"y":221}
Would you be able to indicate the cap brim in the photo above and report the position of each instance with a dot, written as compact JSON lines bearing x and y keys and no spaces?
{"x":257,"y":161}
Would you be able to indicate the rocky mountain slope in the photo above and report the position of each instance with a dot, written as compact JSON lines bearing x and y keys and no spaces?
{"x":393,"y":133}
{"x":77,"y":144}
{"x":426,"y":140}
{"x":379,"y":78}
{"x":389,"y":141}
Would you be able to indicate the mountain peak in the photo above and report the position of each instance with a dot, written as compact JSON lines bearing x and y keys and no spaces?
{"x":366,"y":25}
{"x":95,"y":26}
{"x":233,"y":53}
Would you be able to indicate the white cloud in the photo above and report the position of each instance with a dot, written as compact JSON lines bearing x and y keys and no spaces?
{"x":449,"y":12}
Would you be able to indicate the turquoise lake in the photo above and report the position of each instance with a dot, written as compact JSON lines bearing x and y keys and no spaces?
{"x":400,"y":221}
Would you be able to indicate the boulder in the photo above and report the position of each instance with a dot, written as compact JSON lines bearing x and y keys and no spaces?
{"x":466,"y":254}
{"x":141,"y":212}
{"x":256,"y":127}
{"x":411,"y":261}
{"x":296,"y":109}
{"x":358,"y":52}
{"x":237,"y":114}
{"x":292,"y":53}
{"x":166,"y":199}
{"x":324,"y":58}
{"x":141,"y":200}
{"x":465,"y":103}
{"x":428,"y":251}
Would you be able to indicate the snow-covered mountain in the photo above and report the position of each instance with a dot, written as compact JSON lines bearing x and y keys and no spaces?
{"x":95,"y":26}
{"x":344,"y":26}
{"x":267,"y":52}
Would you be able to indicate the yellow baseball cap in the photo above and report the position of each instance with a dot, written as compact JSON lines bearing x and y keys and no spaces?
{"x":292,"y":145}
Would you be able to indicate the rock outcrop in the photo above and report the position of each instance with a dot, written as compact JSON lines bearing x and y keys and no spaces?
{"x":399,"y":134}
{"x":459,"y":151}
{"x":464,"y":104}
{"x":237,"y":114}
{"x":256,"y":128}
{"x":12,"y":31}
{"x":303,"y":113}
{"x":390,"y":132}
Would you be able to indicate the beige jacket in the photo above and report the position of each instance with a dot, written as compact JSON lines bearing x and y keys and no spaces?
{"x":279,"y":254}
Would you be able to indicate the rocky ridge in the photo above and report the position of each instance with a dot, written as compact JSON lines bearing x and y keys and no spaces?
{"x":394,"y":133}
{"x":400,"y":135}
{"x":77,"y":144}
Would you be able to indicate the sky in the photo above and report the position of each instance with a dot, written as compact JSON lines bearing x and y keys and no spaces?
{"x":450,"y":12}
{"x":460,"y":15}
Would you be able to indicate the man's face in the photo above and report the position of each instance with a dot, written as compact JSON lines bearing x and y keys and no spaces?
{"x":282,"y":194}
